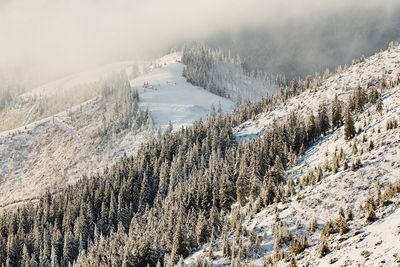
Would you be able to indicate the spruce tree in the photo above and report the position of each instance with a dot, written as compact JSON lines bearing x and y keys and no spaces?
{"x":3,"y":252}
{"x":337,"y":118}
{"x":25,"y":257}
{"x":242,"y":184}
{"x":212,"y":245}
{"x":323,"y":119}
{"x":312,"y":128}
{"x":277,"y":173}
{"x":69,"y":250}
{"x":379,"y":105}
{"x":226,"y":190}
{"x":255,"y":187}
{"x":359,"y":98}
{"x":225,"y":243}
{"x":349,"y":129}
{"x":202,"y":232}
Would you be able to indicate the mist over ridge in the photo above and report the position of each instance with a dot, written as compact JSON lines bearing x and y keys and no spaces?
{"x":43,"y":40}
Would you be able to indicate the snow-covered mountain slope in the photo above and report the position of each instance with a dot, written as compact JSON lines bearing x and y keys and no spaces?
{"x":169,"y":97}
{"x":384,"y":64}
{"x":53,"y":152}
{"x":377,"y":145}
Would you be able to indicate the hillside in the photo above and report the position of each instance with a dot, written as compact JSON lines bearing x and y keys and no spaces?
{"x":60,"y":95}
{"x":272,"y":183}
{"x":52,"y":152}
{"x":327,"y":179}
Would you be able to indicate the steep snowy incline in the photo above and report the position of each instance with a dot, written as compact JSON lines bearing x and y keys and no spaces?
{"x":384,"y":64}
{"x":53,"y":152}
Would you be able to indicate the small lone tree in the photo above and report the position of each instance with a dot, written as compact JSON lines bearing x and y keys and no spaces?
{"x":324,"y":249}
{"x":379,"y":105}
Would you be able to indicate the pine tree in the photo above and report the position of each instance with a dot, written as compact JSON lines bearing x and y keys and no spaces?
{"x":53,"y":257}
{"x":226,"y":251}
{"x":337,"y":118}
{"x":324,"y":248}
{"x":212,"y":245}
{"x":342,"y":222}
{"x":255,"y":187}
{"x":13,"y":251}
{"x":360,"y":98}
{"x":349,"y":129}
{"x":335,"y":163}
{"x":178,"y":243}
{"x":350,"y":215}
{"x":226,"y":190}
{"x":379,"y":105}
{"x":312,"y":128}
{"x":323,"y":119}
{"x":25,"y":257}
{"x":69,"y":251}
{"x":277,"y":173}
{"x":242,"y":184}
{"x":3,"y":252}
{"x":202,"y":232}
{"x":370,"y":210}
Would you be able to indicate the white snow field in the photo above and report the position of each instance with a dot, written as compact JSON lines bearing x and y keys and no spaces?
{"x":50,"y":153}
{"x":366,"y":244}
{"x":169,"y":97}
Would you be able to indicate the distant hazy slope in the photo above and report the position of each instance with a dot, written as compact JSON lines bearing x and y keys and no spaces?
{"x":59,"y":95}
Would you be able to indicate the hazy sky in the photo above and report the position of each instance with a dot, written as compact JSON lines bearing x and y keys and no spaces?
{"x":46,"y":38}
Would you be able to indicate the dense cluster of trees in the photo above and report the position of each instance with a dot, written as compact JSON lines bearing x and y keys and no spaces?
{"x":225,"y":75}
{"x":9,"y":92}
{"x":119,"y":107}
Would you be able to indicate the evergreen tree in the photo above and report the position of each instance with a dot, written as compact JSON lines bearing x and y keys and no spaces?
{"x":379,"y":105}
{"x":255,"y":187}
{"x":225,"y":243}
{"x":13,"y":251}
{"x":359,"y":98}
{"x":312,"y":128}
{"x":25,"y":257}
{"x":212,"y":245}
{"x":69,"y":249}
{"x":179,"y":243}
{"x":227,"y":192}
{"x":3,"y":252}
{"x":277,"y":172}
{"x":337,"y":118}
{"x":323,"y":119}
{"x":349,"y":129}
{"x":202,"y":232}
{"x":242,"y":184}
